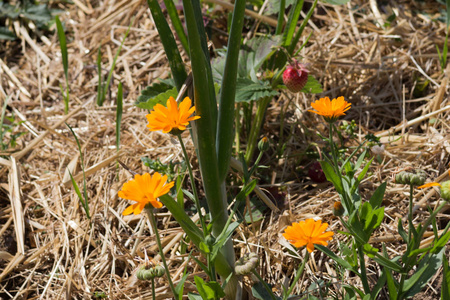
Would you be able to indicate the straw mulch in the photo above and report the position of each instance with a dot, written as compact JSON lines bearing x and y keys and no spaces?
{"x":48,"y":248}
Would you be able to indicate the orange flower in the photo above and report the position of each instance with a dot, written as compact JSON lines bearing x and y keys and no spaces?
{"x":308,"y":233}
{"x":171,"y":117}
{"x":330,"y":110}
{"x":144,"y":189}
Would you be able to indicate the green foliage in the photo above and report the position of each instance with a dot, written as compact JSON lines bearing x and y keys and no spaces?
{"x":157,"y":93}
{"x":445,"y":289}
{"x":8,"y":136}
{"x":170,"y":169}
{"x":273,"y":6}
{"x":312,"y":86}
{"x":82,"y":197}
{"x":208,"y":290}
{"x":65,"y":62}
{"x":260,"y":292}
{"x":25,"y":11}
{"x":336,"y":2}
{"x":248,"y":90}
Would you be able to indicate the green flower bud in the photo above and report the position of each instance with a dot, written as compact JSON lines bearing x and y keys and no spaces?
{"x":210,"y":240}
{"x":263,"y":144}
{"x":246,"y":264}
{"x":414,"y":178}
{"x":147,"y":272}
{"x":445,"y":190}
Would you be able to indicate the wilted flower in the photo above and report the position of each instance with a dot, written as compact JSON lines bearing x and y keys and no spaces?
{"x":330,"y":110}
{"x":338,"y":209}
{"x":308,"y":232}
{"x":144,"y":189}
{"x":172,"y":118}
{"x":246,"y":264}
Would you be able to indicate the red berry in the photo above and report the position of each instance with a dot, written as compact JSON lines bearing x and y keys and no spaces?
{"x":295,"y":77}
{"x":316,"y":173}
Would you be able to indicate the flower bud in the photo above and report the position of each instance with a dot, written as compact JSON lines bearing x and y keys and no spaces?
{"x":147,"y":272}
{"x":338,"y":209}
{"x":445,"y":190}
{"x":414,"y":178}
{"x":246,"y":264}
{"x":263,"y":144}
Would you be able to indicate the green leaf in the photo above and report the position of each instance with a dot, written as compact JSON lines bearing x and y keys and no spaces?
{"x":273,"y":6}
{"x":336,"y":2}
{"x":313,"y":86}
{"x":208,"y":290}
{"x":291,"y":25}
{"x":254,"y":53}
{"x":445,"y":288}
{"x":402,"y":231}
{"x":39,"y":13}
{"x":377,"y":197}
{"x":192,"y":296}
{"x":180,"y":285}
{"x":248,"y":90}
{"x":6,"y":34}
{"x":260,"y":292}
{"x":442,"y":241}
{"x":332,"y":176}
{"x":337,"y":259}
{"x":170,"y":46}
{"x":379,"y":285}
{"x":391,"y":284}
{"x":119,"y":114}
{"x":223,"y":238}
{"x":383,"y":261}
{"x":425,"y":271}
{"x":147,"y":101}
{"x":154,"y":90}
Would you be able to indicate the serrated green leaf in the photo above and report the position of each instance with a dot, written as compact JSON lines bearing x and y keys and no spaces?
{"x":248,"y":90}
{"x":39,"y":13}
{"x":312,"y":86}
{"x":147,"y":99}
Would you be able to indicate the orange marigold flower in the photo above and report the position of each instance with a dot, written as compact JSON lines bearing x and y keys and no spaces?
{"x":144,"y":189}
{"x":171,"y":117}
{"x":330,"y":110}
{"x":308,"y":232}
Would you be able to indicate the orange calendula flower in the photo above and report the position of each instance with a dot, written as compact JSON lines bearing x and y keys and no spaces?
{"x":144,"y":189}
{"x":308,"y":232}
{"x":330,"y":110}
{"x":171,"y":117}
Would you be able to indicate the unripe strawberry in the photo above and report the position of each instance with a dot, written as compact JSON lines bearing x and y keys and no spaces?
{"x":295,"y":77}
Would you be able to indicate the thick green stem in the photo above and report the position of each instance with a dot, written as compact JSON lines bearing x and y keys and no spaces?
{"x":256,"y":127}
{"x":297,"y":276}
{"x":194,"y":189}
{"x":362,"y":264}
{"x":149,"y":210}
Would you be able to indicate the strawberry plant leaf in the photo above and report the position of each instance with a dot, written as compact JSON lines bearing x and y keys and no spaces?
{"x":313,"y":86}
{"x":248,"y":90}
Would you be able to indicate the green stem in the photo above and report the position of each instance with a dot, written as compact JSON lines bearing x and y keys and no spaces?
{"x":297,"y":276}
{"x":410,"y":214}
{"x":333,"y":150}
{"x":362,"y":265}
{"x":192,"y":179}
{"x":266,"y":286}
{"x":149,"y":210}
{"x":280,"y":21}
{"x":173,"y":14}
{"x":256,"y":127}
{"x":153,"y":289}
{"x":237,"y":121}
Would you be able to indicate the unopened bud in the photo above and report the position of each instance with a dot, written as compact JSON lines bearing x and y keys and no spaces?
{"x":146,"y":272}
{"x":414,"y":178}
{"x":445,"y":190}
{"x":246,"y":264}
{"x":338,"y":209}
{"x":263,"y":144}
